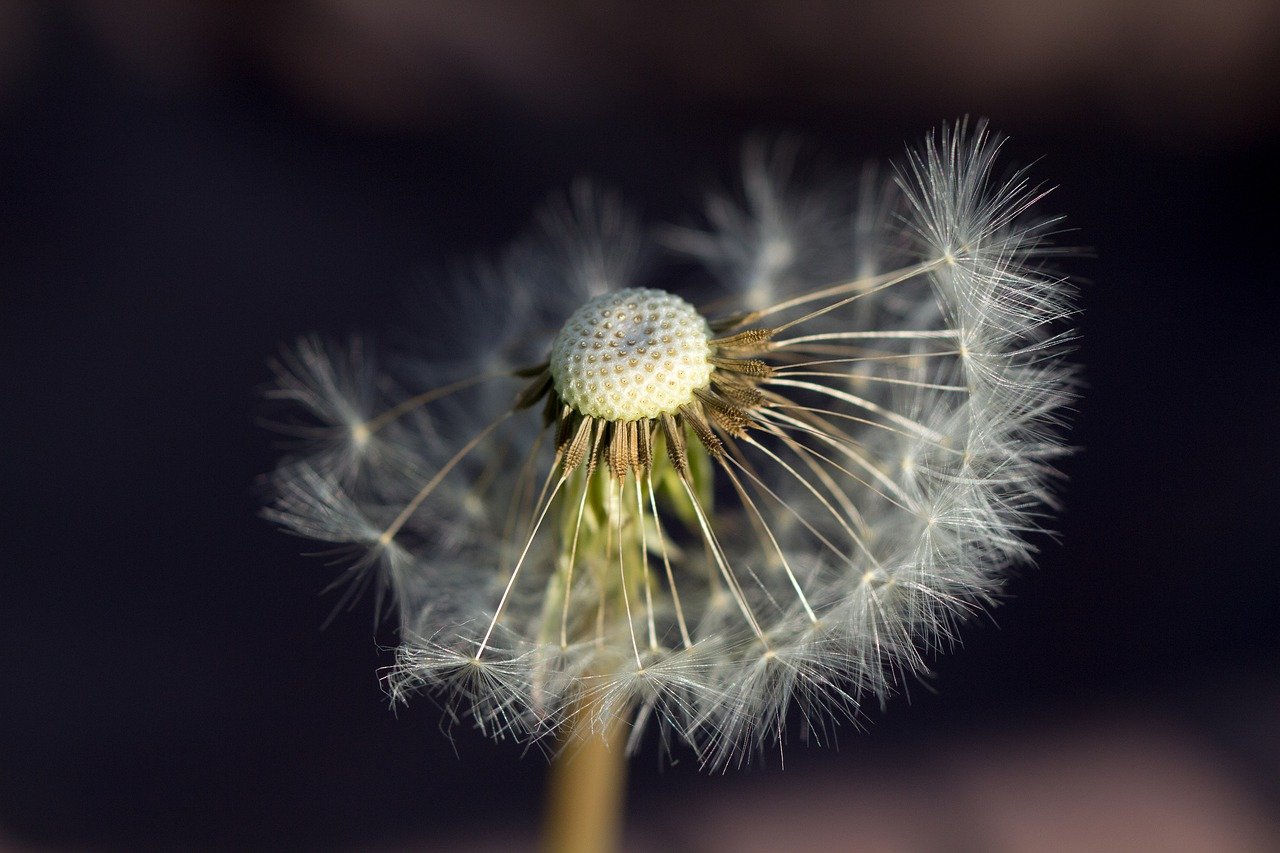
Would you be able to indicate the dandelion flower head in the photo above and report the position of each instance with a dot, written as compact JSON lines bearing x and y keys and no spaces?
{"x":619,"y":503}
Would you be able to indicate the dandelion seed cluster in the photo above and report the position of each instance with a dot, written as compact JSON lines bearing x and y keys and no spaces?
{"x":617,"y":505}
{"x":631,"y":354}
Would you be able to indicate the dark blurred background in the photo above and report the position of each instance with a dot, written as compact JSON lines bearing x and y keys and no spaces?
{"x":186,"y":185}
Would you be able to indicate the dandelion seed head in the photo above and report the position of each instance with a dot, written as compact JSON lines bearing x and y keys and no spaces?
{"x":706,"y":520}
{"x":631,"y":354}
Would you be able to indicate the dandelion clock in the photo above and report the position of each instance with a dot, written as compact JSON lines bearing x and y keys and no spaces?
{"x":630,"y":506}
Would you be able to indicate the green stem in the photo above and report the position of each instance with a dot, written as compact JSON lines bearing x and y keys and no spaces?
{"x":586,"y":789}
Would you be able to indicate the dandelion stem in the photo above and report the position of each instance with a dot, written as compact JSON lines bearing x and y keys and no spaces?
{"x":585,"y":789}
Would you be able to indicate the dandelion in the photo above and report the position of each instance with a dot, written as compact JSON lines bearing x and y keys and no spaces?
{"x":628,"y":512}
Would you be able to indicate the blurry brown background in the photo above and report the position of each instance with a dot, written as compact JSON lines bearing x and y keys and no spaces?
{"x":185,"y":185}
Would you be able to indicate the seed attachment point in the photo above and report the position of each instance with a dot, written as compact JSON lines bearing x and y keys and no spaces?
{"x":631,"y":355}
